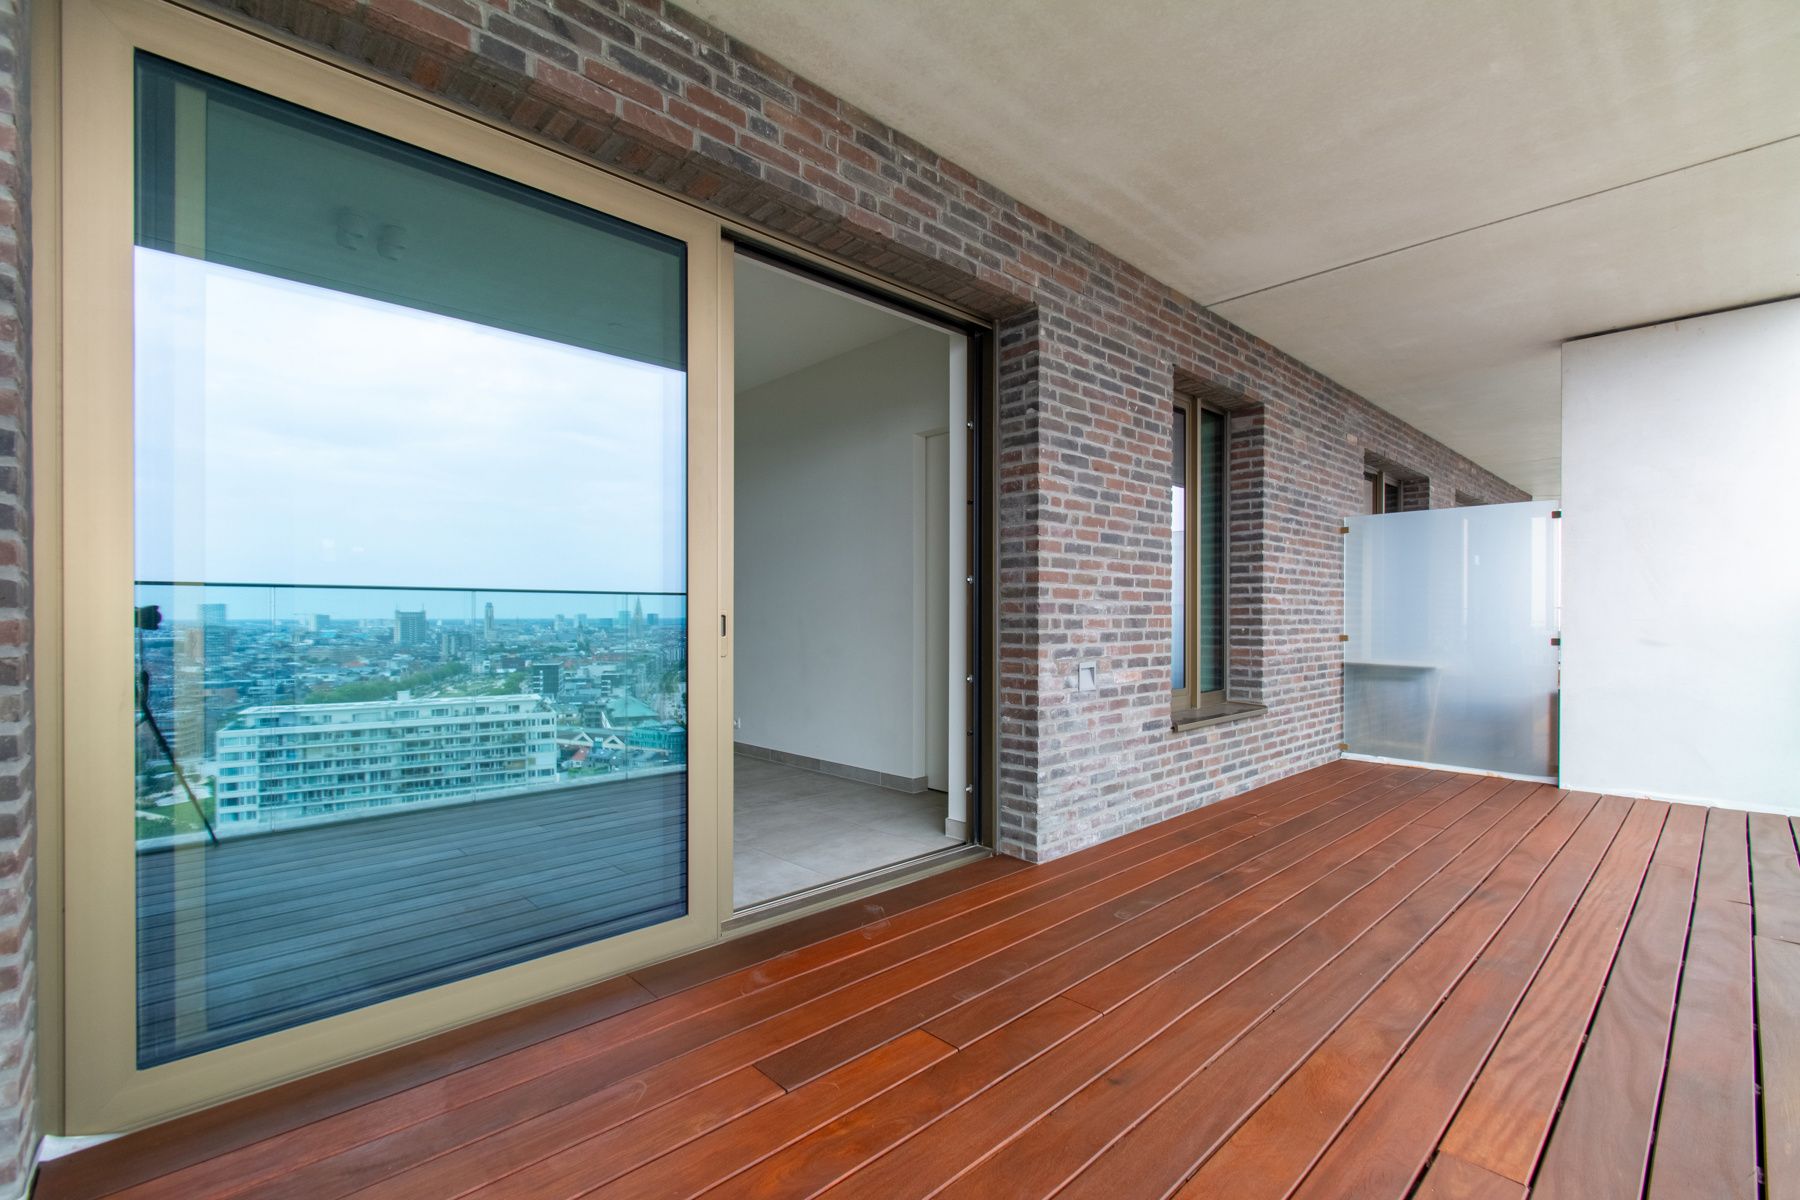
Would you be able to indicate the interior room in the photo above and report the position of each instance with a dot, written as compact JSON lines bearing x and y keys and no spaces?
{"x":849,"y":614}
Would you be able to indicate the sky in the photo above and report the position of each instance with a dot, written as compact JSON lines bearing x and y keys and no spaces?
{"x":289,"y":434}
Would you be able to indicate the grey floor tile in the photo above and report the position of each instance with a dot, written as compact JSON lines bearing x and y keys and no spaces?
{"x":757,"y":877}
{"x":796,"y":829}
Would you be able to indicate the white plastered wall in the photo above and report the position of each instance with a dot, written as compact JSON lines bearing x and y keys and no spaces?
{"x":831,"y":606}
{"x":1681,"y":600}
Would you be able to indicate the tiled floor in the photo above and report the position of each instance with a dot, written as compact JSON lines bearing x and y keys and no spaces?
{"x":797,"y":829}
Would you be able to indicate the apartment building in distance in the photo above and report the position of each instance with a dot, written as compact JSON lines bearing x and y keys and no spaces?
{"x":279,"y":764}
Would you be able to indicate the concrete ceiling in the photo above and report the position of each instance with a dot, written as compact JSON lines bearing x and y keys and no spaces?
{"x":1421,"y":199}
{"x":784,"y":323}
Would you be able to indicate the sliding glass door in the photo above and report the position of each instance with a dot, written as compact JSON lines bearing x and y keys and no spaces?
{"x":411,"y":560}
{"x":419,"y":429}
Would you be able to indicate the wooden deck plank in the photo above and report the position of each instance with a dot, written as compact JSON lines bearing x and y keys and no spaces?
{"x":428,"y":844}
{"x":1107,"y":989}
{"x":829,"y":1154}
{"x":1382,"y":842}
{"x":703,"y":966}
{"x":1775,"y":890}
{"x":244,"y":1128}
{"x":1184,"y":1099}
{"x":1776,"y":870}
{"x":1778,"y":1063}
{"x":1453,"y":1178}
{"x":363,"y":844}
{"x":1707,"y":1124}
{"x":1504,"y":1120}
{"x":473,"y":1162}
{"x":306,"y":931}
{"x":1251,"y":860}
{"x":1271,"y":1151}
{"x":1382,"y":1150}
{"x":709,"y":1160}
{"x":246,"y":916}
{"x":1201,"y":1007}
{"x":1599,"y":1147}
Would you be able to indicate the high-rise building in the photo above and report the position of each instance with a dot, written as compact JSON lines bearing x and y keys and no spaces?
{"x":293,"y":762}
{"x":487,"y":622}
{"x":215,"y":632}
{"x":544,"y":678}
{"x":410,"y":628}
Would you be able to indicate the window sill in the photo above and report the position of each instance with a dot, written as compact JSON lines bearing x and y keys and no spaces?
{"x":1221,"y":713}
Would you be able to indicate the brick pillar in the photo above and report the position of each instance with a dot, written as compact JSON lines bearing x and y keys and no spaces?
{"x":1020,"y":584}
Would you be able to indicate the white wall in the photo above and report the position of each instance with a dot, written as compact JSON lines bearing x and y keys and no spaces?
{"x":1681,"y":592}
{"x":831,"y":462}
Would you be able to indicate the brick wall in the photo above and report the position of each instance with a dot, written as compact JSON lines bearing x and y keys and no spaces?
{"x":18,"y":1018}
{"x":1092,"y":350}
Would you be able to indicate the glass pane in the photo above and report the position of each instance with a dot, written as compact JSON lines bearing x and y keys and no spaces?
{"x":1211,"y":548}
{"x":411,"y":542}
{"x":1178,"y":549}
{"x":1450,"y":615}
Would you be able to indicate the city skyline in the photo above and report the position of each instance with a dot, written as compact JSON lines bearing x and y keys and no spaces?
{"x":280,"y":604}
{"x":250,"y":693}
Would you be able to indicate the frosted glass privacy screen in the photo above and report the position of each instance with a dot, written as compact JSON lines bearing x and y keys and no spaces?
{"x":1450,"y":616}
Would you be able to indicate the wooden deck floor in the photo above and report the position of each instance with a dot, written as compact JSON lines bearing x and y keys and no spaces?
{"x":1361,"y":982}
{"x":260,"y":933}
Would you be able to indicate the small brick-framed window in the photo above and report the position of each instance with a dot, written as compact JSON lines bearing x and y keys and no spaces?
{"x":1199,"y":652}
{"x":1392,"y":488}
{"x":1384,"y":492}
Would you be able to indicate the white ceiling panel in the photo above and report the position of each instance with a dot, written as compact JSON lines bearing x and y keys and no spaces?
{"x":1237,"y":149}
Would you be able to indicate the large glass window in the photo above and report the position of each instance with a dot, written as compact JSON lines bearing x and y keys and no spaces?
{"x":1197,"y":539}
{"x":410,"y":556}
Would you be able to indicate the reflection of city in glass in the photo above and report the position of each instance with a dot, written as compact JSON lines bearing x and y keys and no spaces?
{"x":291,"y":705}
{"x":367,"y":378}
